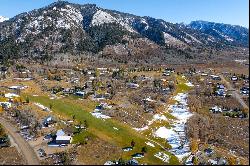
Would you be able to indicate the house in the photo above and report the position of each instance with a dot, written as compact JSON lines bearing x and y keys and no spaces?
{"x":204,"y":74}
{"x":209,"y":151}
{"x":80,"y":93}
{"x":47,"y":137}
{"x":3,"y":70}
{"x":68,"y":91}
{"x":60,"y":133}
{"x":220,"y":90}
{"x":165,"y":91}
{"x":103,"y":70}
{"x":48,"y":121}
{"x":234,"y":78}
{"x":103,"y":96}
{"x":147,"y":100}
{"x":222,"y":161}
{"x":133,"y":162}
{"x":149,"y":110}
{"x":244,"y":90}
{"x":169,"y":70}
{"x":138,"y":155}
{"x":216,"y":109}
{"x":212,"y":162}
{"x":11,"y":95}
{"x":220,"y":86}
{"x":63,"y":139}
{"x":126,"y":149}
{"x":17,"y":87}
{"x":41,"y":152}
{"x":109,"y":163}
{"x":5,"y":104}
{"x":215,"y":77}
{"x":165,"y":74}
{"x":132,"y":85}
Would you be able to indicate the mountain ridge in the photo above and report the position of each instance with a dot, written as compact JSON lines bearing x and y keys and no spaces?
{"x":68,"y":27}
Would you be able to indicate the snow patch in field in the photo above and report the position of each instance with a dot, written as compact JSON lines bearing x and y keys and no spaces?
{"x":189,"y":84}
{"x":176,"y":136}
{"x":163,"y":132}
{"x":159,"y":117}
{"x":141,"y":129}
{"x":150,"y":144}
{"x":100,"y":115}
{"x":162,"y":156}
{"x":42,"y":106}
{"x":115,"y":128}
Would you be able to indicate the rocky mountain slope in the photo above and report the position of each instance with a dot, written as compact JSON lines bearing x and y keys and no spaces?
{"x":65,"y":27}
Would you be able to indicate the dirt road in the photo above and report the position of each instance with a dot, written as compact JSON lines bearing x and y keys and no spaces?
{"x":234,"y":93}
{"x":28,"y":153}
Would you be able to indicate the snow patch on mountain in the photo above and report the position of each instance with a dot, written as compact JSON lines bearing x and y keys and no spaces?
{"x":62,"y":24}
{"x":72,"y":14}
{"x":224,"y":36}
{"x":125,"y":23}
{"x":2,"y":19}
{"x":171,"y":40}
{"x":193,"y":38}
{"x":101,"y":17}
{"x":145,"y":23}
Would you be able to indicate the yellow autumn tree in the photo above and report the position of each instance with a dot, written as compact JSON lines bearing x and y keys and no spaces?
{"x":194,"y":146}
{"x":232,"y":160}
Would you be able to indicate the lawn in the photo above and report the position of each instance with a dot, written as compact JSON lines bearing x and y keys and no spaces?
{"x":181,"y":87}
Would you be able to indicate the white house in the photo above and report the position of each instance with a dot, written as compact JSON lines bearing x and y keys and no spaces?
{"x":62,"y":139}
{"x":234,"y":78}
{"x":10,"y":95}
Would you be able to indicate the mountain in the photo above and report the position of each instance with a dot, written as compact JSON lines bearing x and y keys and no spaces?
{"x":2,"y":18}
{"x":63,"y":27}
{"x":234,"y":34}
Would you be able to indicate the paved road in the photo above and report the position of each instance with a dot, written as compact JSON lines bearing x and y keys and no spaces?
{"x":27,"y":151}
{"x":234,"y":93}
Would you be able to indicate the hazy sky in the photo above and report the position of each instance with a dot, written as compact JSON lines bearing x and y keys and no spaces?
{"x":234,"y":12}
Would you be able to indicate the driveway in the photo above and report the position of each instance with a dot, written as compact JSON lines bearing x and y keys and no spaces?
{"x":234,"y":93}
{"x":26,"y":150}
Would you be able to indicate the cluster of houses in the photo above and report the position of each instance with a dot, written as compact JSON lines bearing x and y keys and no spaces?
{"x":220,"y":90}
{"x":234,"y":113}
{"x":117,"y":162}
{"x":206,"y":157}
{"x":10,"y":95}
{"x":168,"y":71}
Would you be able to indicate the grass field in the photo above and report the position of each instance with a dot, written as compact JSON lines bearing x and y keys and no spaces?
{"x":103,"y":129}
{"x":181,"y":87}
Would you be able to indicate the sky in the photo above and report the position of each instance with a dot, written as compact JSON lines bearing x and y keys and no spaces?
{"x":234,"y":12}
